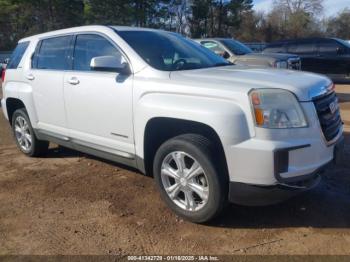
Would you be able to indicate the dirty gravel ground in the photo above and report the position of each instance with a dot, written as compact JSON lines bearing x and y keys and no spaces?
{"x":71,"y":203}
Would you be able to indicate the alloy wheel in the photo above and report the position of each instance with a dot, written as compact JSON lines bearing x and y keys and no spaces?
{"x":23,"y":134}
{"x":185,"y":181}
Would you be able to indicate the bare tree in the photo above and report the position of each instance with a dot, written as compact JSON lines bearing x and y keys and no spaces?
{"x":180,"y":10}
{"x":296,"y":18}
{"x":313,"y":7}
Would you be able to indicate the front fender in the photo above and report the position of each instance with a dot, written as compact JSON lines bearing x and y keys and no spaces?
{"x":225,"y":117}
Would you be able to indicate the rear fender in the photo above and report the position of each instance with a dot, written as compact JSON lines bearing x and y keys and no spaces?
{"x":23,"y":92}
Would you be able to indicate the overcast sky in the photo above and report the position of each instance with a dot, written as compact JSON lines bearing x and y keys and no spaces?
{"x":331,"y":7}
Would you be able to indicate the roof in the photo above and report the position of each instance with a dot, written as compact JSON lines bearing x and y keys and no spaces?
{"x":86,"y":28}
{"x":133,"y":28}
{"x":303,"y":39}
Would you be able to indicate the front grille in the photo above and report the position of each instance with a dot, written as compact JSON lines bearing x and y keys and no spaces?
{"x":328,"y":112}
{"x":294,"y":63}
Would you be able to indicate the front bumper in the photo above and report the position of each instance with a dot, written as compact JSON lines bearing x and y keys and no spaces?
{"x":277,"y":156}
{"x":254,"y":195}
{"x":258,"y":195}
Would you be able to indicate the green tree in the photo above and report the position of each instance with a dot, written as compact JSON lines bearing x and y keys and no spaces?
{"x":46,"y":15}
{"x":237,"y":12}
{"x":218,"y":17}
{"x":20,"y":18}
{"x":339,"y":26}
{"x":7,"y":10}
{"x":109,"y":12}
{"x":202,"y":13}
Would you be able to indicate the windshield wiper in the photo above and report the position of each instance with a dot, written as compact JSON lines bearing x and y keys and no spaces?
{"x":223,"y":64}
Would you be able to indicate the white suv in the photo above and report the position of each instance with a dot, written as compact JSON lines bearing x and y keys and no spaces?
{"x":208,"y":131}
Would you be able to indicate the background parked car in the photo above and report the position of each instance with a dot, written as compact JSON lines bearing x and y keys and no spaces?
{"x":329,"y":56}
{"x":238,"y":53}
{"x":257,"y":47}
{"x":4,"y":58}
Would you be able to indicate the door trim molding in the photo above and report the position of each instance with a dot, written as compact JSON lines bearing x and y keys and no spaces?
{"x":88,"y":148}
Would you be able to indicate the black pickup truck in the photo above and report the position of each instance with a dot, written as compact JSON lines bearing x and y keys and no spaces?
{"x":329,"y":56}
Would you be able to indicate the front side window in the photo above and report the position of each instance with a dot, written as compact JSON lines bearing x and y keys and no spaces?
{"x":169,"y":51}
{"x":292,"y":47}
{"x":303,"y":48}
{"x":17,"y":55}
{"x":329,"y":47}
{"x":53,"y":54}
{"x":88,"y":46}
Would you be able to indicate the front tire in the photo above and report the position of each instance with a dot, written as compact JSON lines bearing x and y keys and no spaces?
{"x":25,"y":137}
{"x":188,"y":179}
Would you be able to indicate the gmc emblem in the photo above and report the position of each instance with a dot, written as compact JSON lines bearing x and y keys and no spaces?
{"x":333,"y":107}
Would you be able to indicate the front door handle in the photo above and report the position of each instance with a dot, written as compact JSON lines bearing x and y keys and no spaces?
{"x":74,"y":81}
{"x":30,"y":77}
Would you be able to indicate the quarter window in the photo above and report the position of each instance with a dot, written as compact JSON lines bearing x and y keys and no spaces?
{"x":89,"y":46}
{"x":17,"y":55}
{"x":53,"y":54}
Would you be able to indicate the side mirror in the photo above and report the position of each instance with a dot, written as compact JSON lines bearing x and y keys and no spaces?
{"x":223,"y":54}
{"x":226,"y":55}
{"x":110,"y":64}
{"x":6,"y":61}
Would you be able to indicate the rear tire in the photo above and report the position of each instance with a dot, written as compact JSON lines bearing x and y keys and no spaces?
{"x":25,"y":137}
{"x":190,"y":178}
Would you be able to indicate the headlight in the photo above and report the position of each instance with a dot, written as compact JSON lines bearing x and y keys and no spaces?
{"x":281,"y":64}
{"x":276,"y":108}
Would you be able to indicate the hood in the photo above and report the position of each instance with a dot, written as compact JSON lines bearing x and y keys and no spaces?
{"x":243,"y":79}
{"x":272,"y":56}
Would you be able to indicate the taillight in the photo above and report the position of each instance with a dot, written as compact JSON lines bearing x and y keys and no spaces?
{"x":3,"y":75}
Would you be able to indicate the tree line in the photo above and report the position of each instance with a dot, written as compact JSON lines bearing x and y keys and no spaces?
{"x":194,"y":18}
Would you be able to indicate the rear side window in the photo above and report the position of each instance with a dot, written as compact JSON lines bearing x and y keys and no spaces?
{"x":53,"y":54}
{"x":89,"y":46}
{"x":17,"y":55}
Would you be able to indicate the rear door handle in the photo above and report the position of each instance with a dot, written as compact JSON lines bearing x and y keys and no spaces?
{"x":74,"y":81}
{"x":30,"y":77}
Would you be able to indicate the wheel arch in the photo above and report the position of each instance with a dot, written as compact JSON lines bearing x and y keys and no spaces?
{"x":16,"y":95}
{"x":160,"y":129}
{"x":12,"y":104}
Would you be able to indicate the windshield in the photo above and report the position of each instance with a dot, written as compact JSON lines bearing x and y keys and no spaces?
{"x":236,"y":47}
{"x":347,"y":44}
{"x":170,"y":52}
